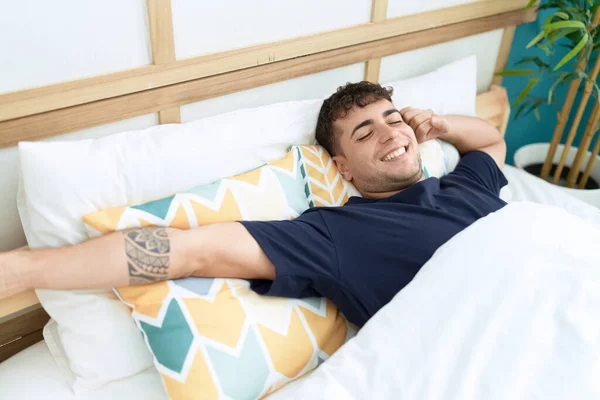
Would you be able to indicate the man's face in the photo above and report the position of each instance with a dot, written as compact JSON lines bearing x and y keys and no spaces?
{"x":379,"y":152}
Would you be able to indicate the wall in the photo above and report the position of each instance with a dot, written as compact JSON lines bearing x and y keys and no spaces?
{"x":527,"y":129}
{"x":47,"y":42}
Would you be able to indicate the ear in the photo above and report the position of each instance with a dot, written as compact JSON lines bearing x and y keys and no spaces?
{"x":342,"y":165}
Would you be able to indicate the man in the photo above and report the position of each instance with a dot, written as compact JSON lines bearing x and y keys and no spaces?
{"x":359,"y":255}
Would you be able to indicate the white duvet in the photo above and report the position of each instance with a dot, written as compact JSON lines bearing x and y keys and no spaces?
{"x":507,"y":309}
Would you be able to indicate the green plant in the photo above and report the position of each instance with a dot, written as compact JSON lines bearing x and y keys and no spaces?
{"x":573,"y":24}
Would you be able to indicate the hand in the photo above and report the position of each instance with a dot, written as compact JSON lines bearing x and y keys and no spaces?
{"x":425,"y":124}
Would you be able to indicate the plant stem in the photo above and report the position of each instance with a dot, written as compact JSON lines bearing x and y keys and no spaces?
{"x":586,"y":140}
{"x":563,"y":116}
{"x":573,"y":132}
{"x":590,"y":165}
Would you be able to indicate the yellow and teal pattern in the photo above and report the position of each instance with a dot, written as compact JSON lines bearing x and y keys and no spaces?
{"x":216,"y":338}
{"x":323,"y":184}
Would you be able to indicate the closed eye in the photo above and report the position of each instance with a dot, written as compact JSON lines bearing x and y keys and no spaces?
{"x":365,"y":137}
{"x":396,"y":122}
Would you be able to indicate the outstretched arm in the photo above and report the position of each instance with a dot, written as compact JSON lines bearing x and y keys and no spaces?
{"x":139,"y":256}
{"x":465,"y":133}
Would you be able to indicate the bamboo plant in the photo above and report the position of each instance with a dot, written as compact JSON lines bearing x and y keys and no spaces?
{"x":573,"y":24}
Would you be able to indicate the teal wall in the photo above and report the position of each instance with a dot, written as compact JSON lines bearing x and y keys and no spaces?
{"x":527,"y":129}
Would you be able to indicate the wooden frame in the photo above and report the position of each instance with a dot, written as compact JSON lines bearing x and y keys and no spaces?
{"x":162,"y":38}
{"x":48,"y":98}
{"x":505,"y":45}
{"x":378,"y":14}
{"x":163,"y":87}
{"x":47,"y":124}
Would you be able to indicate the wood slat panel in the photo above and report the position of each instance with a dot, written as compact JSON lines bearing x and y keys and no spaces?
{"x":379,"y":10}
{"x":378,"y":14}
{"x":505,"y":45}
{"x":372,"y":68}
{"x":160,"y":17}
{"x":169,"y":116}
{"x":53,"y":97}
{"x":162,"y":38}
{"x":101,"y":112}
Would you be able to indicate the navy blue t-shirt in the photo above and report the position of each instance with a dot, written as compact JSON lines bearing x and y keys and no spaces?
{"x":361,"y":254}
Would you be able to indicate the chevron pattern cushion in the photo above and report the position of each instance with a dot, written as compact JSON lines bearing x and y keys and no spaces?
{"x":216,"y":338}
{"x":324,"y":185}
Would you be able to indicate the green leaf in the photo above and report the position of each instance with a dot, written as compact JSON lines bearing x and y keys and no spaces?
{"x":575,"y":36}
{"x":564,"y":78}
{"x":529,"y":109}
{"x":576,"y":13}
{"x":573,"y":52}
{"x":532,"y":82}
{"x":564,"y":24}
{"x":553,"y":87}
{"x":537,"y":61}
{"x":562,"y":15}
{"x":546,"y":48}
{"x":536,"y":39}
{"x":536,"y":112}
{"x":555,"y":36}
{"x":515,"y":72}
{"x":597,"y":91}
{"x":530,"y":4}
{"x":521,"y":108}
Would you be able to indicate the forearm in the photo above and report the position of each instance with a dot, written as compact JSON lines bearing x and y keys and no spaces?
{"x":124,"y":258}
{"x":139,"y":256}
{"x":470,"y":133}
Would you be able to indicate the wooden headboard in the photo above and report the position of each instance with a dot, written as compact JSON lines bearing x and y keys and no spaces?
{"x":169,"y":83}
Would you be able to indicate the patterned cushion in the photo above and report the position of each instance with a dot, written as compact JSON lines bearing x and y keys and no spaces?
{"x":215,"y":337}
{"x":325,"y":187}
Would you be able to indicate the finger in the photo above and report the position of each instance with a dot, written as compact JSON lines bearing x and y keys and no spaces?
{"x":420,"y":126}
{"x":407,"y":113}
{"x":422,"y":132}
{"x":419,"y":119}
{"x":440,"y":124}
{"x":406,"y":109}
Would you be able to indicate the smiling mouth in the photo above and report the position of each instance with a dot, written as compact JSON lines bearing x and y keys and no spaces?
{"x":394,"y":154}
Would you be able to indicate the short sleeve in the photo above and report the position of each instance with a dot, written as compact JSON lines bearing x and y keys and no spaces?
{"x":302,"y":252}
{"x":481,"y":168}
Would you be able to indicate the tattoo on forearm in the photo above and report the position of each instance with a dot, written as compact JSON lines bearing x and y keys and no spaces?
{"x":147,"y":251}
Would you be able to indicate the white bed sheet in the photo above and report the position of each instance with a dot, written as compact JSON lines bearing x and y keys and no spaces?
{"x":33,"y":373}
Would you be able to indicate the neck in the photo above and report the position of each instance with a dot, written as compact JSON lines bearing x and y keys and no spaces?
{"x":382,"y":195}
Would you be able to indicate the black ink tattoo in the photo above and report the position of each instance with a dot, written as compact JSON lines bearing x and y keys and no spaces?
{"x":147,"y":251}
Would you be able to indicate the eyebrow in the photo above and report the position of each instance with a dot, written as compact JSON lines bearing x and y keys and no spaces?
{"x":370,"y":121}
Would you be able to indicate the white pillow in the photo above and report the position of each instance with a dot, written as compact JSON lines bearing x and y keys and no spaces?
{"x":451,"y":89}
{"x":62,"y":181}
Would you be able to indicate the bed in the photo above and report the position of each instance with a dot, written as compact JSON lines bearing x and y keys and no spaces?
{"x":36,"y":361}
{"x":171,"y":83}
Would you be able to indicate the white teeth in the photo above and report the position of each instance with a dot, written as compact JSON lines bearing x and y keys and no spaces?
{"x":395,"y":154}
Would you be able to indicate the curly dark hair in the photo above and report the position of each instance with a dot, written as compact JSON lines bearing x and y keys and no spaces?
{"x":359,"y":94}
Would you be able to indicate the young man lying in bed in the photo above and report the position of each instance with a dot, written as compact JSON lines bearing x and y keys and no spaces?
{"x":359,"y":255}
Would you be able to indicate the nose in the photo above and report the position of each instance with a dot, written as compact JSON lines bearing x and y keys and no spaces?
{"x":387,"y":133}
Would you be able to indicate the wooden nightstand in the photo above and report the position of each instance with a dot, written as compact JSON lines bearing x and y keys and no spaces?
{"x":22,"y":319}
